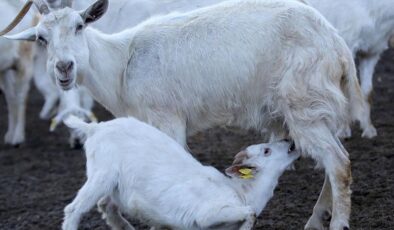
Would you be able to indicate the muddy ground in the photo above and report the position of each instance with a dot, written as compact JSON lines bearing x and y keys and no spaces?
{"x":39,"y":178}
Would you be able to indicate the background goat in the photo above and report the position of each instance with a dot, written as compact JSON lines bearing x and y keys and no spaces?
{"x":367,"y":27}
{"x":15,"y":73}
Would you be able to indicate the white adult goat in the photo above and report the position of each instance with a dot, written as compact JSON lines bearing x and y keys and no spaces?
{"x":275,"y":64}
{"x":366,"y":26}
{"x":15,"y":74}
{"x":149,"y":176}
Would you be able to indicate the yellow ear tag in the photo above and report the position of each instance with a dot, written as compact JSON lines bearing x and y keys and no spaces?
{"x":249,"y":176}
{"x":53,"y":125}
{"x":246,"y":173}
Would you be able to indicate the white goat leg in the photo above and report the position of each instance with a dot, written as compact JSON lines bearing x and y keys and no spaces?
{"x":366,"y":68}
{"x":327,"y":150}
{"x":230,"y":214}
{"x":6,"y":83}
{"x":96,"y":187}
{"x":15,"y":90}
{"x":111,"y":214}
{"x":322,"y":207}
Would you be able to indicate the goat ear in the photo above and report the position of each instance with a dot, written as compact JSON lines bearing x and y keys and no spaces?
{"x":240,"y":171}
{"x":26,"y":35}
{"x":95,"y":11}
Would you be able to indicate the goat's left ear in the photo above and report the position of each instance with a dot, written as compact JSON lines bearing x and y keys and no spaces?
{"x":241,"y":171}
{"x":95,"y":11}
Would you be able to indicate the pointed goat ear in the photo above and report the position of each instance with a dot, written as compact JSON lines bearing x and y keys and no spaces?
{"x":241,"y":171}
{"x":26,"y":35}
{"x":95,"y":11}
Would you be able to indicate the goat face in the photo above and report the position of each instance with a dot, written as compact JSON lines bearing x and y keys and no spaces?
{"x":274,"y":157}
{"x":62,"y":32}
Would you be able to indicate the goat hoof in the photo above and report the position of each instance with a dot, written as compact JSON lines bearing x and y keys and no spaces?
{"x":369,"y":132}
{"x":14,"y":141}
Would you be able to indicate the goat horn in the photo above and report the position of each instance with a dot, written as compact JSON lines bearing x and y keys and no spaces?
{"x":18,"y":18}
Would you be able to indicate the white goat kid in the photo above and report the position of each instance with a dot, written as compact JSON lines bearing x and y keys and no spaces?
{"x":15,"y":74}
{"x":275,"y":64}
{"x":149,"y":176}
{"x":366,"y":26}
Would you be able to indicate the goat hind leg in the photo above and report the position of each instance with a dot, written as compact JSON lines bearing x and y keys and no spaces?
{"x":112,"y":215}
{"x":322,"y":208}
{"x":230,"y":215}
{"x":320,"y":143}
{"x":366,"y":69}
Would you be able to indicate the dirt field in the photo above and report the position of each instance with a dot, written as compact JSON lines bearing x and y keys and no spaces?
{"x":38,"y":179}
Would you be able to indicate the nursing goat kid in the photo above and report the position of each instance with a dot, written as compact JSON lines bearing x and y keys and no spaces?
{"x":16,"y":61}
{"x":366,"y":26}
{"x":140,"y":171}
{"x":276,"y":65}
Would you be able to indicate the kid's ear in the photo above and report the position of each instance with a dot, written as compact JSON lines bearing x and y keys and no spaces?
{"x":240,"y":171}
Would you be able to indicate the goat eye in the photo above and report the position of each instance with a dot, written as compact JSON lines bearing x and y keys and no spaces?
{"x":79,"y":28}
{"x":267,"y":151}
{"x":42,"y":40}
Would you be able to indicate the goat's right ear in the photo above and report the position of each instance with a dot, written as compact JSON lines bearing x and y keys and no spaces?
{"x":26,"y":35}
{"x":95,"y":11}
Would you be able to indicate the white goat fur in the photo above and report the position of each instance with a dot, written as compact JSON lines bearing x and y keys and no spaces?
{"x":15,"y":73}
{"x":275,"y":64}
{"x":149,"y":176}
{"x":366,"y":26}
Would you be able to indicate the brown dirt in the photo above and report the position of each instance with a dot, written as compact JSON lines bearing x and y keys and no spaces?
{"x":39,"y":178}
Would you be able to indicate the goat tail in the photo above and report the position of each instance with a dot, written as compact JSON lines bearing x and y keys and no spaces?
{"x":82,"y":127}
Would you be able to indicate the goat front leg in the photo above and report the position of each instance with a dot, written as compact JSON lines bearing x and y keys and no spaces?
{"x":366,"y":69}
{"x":112,"y":215}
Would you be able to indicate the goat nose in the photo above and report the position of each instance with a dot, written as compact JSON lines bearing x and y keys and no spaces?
{"x":64,"y":66}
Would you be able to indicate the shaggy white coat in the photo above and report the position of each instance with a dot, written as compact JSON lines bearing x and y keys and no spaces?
{"x":149,"y":176}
